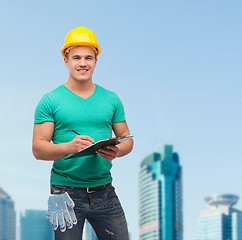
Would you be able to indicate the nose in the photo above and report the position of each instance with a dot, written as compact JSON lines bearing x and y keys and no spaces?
{"x":82,"y":62}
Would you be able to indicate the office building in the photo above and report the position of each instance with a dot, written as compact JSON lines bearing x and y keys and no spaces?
{"x":7,"y":217}
{"x":88,"y":232}
{"x":221,"y":221}
{"x":160,"y":182}
{"x":35,"y":225}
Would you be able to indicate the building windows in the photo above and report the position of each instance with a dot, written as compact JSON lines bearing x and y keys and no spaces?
{"x":160,"y":196}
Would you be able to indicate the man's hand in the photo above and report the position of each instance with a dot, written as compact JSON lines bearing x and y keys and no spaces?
{"x":44,"y":149}
{"x":79,"y":143}
{"x":110,"y":153}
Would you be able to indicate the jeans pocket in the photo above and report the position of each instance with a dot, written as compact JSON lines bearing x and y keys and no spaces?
{"x":111,"y":192}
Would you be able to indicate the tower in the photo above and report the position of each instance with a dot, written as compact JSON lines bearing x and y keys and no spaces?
{"x":160,"y":181}
{"x":35,"y":225}
{"x":88,"y":232}
{"x":7,"y":217}
{"x":221,"y":221}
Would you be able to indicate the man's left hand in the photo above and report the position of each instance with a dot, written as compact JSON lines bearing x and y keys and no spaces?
{"x":110,"y":153}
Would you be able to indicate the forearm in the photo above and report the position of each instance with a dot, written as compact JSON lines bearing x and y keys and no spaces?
{"x":125,"y":147}
{"x":44,"y":150}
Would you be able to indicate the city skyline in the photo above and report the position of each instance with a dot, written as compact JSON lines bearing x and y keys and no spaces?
{"x":220,"y":222}
{"x":175,"y":65}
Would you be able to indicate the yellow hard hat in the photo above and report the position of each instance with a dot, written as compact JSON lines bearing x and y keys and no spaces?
{"x":80,"y":36}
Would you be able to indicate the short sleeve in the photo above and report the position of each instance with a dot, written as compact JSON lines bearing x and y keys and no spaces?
{"x":43,"y":112}
{"x":119,"y":114}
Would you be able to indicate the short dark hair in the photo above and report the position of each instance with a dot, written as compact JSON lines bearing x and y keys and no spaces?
{"x":67,"y":52}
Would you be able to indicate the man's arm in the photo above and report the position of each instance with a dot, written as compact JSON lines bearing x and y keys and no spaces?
{"x":122,"y":149}
{"x":44,"y":149}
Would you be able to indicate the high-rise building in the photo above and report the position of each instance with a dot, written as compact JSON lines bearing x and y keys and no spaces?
{"x":35,"y":225}
{"x":7,"y":217}
{"x":221,"y":221}
{"x":160,"y":181}
{"x":88,"y":232}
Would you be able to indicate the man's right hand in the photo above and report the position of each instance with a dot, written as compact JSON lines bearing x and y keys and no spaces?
{"x":79,"y":143}
{"x":44,"y":149}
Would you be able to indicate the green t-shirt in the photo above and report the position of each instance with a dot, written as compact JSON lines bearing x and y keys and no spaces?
{"x":93,"y":117}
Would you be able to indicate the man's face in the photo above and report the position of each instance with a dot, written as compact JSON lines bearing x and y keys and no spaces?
{"x":81,"y":63}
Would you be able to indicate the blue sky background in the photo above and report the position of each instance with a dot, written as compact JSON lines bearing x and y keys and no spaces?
{"x":176,"y":65}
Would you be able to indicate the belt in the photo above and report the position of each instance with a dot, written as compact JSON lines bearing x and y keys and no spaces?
{"x":93,"y":189}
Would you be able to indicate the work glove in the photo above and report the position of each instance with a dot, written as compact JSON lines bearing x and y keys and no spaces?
{"x":60,"y":211}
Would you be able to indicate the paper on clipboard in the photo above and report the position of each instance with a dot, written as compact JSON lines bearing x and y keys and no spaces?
{"x":91,"y":150}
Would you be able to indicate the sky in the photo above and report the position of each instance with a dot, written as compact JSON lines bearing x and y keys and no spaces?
{"x":176,"y":65}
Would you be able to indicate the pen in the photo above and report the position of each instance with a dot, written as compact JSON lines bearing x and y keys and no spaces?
{"x":79,"y":134}
{"x":75,"y":132}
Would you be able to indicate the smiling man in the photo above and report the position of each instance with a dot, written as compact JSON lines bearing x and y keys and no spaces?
{"x":84,"y":183}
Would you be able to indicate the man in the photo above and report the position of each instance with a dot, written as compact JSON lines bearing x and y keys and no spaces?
{"x":93,"y":112}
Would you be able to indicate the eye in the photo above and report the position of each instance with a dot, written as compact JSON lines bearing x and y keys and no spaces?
{"x":75,"y":57}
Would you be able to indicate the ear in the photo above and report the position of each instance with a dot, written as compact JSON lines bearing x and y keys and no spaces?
{"x":65,"y":61}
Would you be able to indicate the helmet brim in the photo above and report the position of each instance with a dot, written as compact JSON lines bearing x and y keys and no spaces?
{"x":64,"y":48}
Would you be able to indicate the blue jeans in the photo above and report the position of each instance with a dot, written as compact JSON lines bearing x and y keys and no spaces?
{"x":102,"y":209}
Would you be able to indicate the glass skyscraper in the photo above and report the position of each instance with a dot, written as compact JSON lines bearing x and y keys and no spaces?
{"x":7,"y":217}
{"x":222,"y":221}
{"x":35,"y":225}
{"x":88,"y":232}
{"x":160,"y":182}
